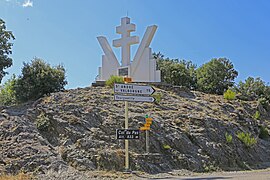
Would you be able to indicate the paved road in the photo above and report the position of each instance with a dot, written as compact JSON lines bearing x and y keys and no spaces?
{"x":250,"y":175}
{"x":239,"y":175}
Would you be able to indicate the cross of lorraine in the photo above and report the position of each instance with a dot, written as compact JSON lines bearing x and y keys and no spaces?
{"x":143,"y":66}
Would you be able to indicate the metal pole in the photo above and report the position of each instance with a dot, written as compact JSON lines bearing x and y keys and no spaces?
{"x":126,"y":141}
{"x":147,"y":141}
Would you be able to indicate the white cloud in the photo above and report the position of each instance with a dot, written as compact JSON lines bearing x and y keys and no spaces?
{"x":27,"y":3}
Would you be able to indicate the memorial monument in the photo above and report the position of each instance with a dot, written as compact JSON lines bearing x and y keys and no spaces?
{"x":143,"y":67}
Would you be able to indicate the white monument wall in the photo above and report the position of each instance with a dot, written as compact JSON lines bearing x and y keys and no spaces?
{"x":143,"y":66}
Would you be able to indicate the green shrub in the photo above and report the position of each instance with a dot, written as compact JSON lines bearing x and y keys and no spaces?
{"x":264,"y":103}
{"x":7,"y":93}
{"x":229,"y":95}
{"x":43,"y":122}
{"x":264,"y":134}
{"x":39,"y":78}
{"x":210,"y":168}
{"x":257,"y":115}
{"x":246,"y":139}
{"x":157,"y":97}
{"x":251,"y":87}
{"x":216,"y":76}
{"x":166,"y":147}
{"x":228,"y":138}
{"x":176,"y":72}
{"x":114,"y":79}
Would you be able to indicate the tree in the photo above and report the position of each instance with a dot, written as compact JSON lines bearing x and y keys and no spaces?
{"x":252,"y":87}
{"x":7,"y":92}
{"x":39,"y":78}
{"x":175,"y":71}
{"x":5,"y":48}
{"x":216,"y":76}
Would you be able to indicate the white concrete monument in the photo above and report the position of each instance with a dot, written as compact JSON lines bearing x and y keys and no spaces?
{"x":143,"y":67}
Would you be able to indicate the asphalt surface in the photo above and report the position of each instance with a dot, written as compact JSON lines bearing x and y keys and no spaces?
{"x":250,"y":175}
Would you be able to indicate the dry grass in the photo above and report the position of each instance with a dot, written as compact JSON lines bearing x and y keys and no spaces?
{"x":20,"y":176}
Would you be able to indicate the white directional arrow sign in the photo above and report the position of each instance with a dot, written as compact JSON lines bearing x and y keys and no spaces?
{"x":133,"y":98}
{"x":133,"y":89}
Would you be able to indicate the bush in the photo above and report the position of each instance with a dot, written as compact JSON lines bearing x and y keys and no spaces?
{"x":252,"y":87}
{"x":43,"y":122}
{"x":176,"y":72}
{"x":216,"y":76}
{"x":7,"y":92}
{"x":229,"y":95}
{"x":114,"y":79}
{"x":257,"y":115}
{"x":228,"y":138}
{"x":157,"y":97}
{"x":166,"y":147}
{"x":255,"y":89}
{"x":39,"y":78}
{"x":246,"y":139}
{"x":263,"y":132}
{"x":264,"y":103}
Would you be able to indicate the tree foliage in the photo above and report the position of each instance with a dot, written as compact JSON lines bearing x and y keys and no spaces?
{"x":216,"y":76}
{"x":229,"y":94}
{"x":176,"y":72}
{"x":7,"y":92}
{"x":114,"y":79}
{"x":254,"y":88}
{"x":5,"y":48}
{"x":39,"y":78}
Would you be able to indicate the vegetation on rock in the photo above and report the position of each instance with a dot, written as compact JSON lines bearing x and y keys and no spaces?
{"x":257,"y":115}
{"x":114,"y":79}
{"x":43,"y":122}
{"x":264,"y":134}
{"x":166,"y":147}
{"x":228,"y":137}
{"x":229,"y":95}
{"x":246,"y":139}
{"x":157,"y":96}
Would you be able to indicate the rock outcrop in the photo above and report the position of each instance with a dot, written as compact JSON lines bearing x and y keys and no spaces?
{"x":76,"y":129}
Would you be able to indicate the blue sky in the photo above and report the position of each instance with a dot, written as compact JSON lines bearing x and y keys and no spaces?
{"x":65,"y":31}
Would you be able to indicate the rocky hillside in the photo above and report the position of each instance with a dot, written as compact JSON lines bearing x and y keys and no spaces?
{"x":76,"y":129}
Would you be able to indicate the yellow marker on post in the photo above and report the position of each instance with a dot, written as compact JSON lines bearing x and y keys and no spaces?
{"x":147,"y":125}
{"x":149,"y":120}
{"x":144,"y":128}
{"x":127,"y":79}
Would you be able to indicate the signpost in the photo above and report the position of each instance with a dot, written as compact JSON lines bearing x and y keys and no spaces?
{"x":146,"y":128}
{"x":127,"y":134}
{"x":134,"y":93}
{"x":133,"y":98}
{"x":133,"y":89}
